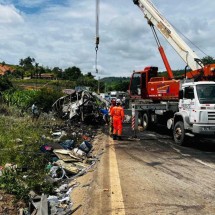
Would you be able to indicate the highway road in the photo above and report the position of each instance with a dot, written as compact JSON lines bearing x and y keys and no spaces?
{"x":152,"y":175}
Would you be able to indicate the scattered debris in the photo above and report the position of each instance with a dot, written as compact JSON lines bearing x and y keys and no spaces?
{"x":85,"y":146}
{"x":69,"y":153}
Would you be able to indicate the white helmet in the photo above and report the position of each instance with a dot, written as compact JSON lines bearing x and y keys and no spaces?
{"x":118,"y":101}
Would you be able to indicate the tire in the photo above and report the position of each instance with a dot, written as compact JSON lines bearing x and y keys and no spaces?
{"x":145,"y":121}
{"x":179,"y":133}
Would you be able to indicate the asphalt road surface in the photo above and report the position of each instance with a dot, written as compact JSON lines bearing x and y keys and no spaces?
{"x":154,"y":176}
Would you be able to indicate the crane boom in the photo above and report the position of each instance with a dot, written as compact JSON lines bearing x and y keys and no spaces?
{"x":155,"y":18}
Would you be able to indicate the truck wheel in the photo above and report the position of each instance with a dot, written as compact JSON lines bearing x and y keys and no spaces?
{"x":179,"y":133}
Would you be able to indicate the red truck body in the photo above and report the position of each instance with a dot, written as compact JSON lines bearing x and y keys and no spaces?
{"x":147,"y":85}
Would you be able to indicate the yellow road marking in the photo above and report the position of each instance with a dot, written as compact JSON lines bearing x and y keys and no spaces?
{"x":117,"y":203}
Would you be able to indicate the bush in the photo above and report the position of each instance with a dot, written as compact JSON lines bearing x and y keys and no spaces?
{"x":5,"y":84}
{"x":46,"y":98}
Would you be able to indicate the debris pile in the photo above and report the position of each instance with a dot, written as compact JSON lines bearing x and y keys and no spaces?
{"x":66,"y":150}
{"x":69,"y":161}
{"x":70,"y":153}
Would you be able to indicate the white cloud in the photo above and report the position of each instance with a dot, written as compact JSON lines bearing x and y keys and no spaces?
{"x":9,"y":15}
{"x":64,"y":34}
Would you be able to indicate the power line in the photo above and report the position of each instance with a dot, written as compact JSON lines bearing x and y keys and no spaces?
{"x":190,"y":41}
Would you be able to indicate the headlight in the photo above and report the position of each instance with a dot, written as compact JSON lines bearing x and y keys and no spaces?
{"x":203,"y":117}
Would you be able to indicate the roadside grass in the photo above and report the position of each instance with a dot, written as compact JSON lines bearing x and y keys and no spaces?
{"x":20,"y":141}
{"x":41,"y":83}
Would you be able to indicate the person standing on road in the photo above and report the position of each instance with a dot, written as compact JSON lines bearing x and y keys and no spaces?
{"x":118,"y":115}
{"x":113,"y":104}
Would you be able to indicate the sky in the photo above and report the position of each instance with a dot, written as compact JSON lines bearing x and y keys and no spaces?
{"x":61,"y":33}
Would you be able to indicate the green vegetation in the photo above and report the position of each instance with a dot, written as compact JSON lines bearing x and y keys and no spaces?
{"x":19,"y":98}
{"x":70,"y":77}
{"x":5,"y":84}
{"x":20,"y":141}
{"x":115,"y":83}
{"x":208,"y":60}
{"x":40,"y":76}
{"x":23,"y":99}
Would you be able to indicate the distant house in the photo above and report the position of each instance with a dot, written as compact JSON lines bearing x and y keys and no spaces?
{"x":49,"y":76}
{"x":5,"y":68}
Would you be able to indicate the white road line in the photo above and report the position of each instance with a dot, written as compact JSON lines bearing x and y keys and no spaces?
{"x":211,"y":165}
{"x":206,"y":164}
{"x":179,"y":151}
{"x":117,"y":203}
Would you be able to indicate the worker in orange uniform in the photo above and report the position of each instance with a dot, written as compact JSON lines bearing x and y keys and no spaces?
{"x":117,"y":114}
{"x":113,"y":104}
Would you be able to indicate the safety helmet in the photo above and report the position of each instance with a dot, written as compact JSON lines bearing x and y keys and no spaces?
{"x":118,"y":101}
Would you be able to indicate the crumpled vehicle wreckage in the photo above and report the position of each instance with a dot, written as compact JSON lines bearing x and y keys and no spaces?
{"x":81,"y":104}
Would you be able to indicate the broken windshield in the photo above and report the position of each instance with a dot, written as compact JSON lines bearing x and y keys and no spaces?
{"x":206,"y":93}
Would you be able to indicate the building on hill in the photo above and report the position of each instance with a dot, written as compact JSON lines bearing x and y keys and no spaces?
{"x":49,"y":76}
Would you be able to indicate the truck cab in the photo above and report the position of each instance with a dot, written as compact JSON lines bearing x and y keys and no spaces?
{"x":147,"y":84}
{"x":138,"y":88}
{"x":196,"y":113}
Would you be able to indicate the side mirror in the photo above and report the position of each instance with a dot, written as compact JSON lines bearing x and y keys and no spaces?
{"x":181,"y":94}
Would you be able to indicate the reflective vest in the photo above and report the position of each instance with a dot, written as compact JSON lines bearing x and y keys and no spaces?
{"x":117,"y":112}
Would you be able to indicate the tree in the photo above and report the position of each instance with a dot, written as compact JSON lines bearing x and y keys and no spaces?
{"x":28,"y":65}
{"x":208,"y":60}
{"x":72,"y":73}
{"x":57,"y":71}
{"x":89,"y":75}
{"x":122,"y":86}
{"x":88,"y":82}
{"x":47,"y":70}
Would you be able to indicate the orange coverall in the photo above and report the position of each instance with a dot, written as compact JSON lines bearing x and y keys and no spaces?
{"x":117,"y":113}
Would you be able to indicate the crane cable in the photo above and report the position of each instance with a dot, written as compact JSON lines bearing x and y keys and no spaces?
{"x":97,"y":34}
